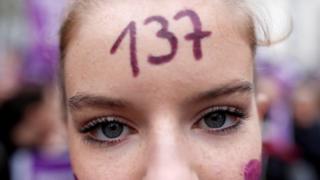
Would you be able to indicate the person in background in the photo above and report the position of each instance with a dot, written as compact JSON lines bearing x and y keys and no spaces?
{"x":41,"y":135}
{"x":31,"y":131}
{"x":33,"y":138}
{"x":279,"y":150}
{"x":307,"y":123}
{"x":12,"y":112}
{"x":9,"y":74}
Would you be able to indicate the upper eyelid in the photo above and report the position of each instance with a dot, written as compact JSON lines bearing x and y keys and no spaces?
{"x":207,"y":110}
{"x":97,"y":123}
{"x":195,"y":118}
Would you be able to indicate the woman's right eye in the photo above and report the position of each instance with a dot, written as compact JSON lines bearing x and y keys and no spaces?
{"x":108,"y":130}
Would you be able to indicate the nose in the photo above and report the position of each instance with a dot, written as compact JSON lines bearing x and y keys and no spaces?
{"x":170,"y":169}
{"x":168,"y":159}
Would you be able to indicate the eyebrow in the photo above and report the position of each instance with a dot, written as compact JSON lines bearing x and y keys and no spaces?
{"x":82,"y":100}
{"x":233,"y":87}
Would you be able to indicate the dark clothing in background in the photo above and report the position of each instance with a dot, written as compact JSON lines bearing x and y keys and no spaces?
{"x":308,"y":142}
{"x":11,"y":113}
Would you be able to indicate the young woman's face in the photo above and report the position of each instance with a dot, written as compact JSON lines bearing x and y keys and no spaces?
{"x":161,"y":90}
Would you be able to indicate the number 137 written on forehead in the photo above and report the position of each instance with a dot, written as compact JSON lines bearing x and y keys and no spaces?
{"x":164,"y":33}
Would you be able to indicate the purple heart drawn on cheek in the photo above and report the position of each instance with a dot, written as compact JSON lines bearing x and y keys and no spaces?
{"x":252,"y":171}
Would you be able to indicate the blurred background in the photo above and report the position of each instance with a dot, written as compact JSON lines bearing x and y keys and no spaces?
{"x":32,"y":134}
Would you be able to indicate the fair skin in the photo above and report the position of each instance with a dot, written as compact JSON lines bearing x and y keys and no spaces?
{"x":164,"y":108}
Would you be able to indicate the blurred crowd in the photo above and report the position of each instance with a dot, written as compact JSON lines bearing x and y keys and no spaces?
{"x":32,"y":135}
{"x":291,"y":125}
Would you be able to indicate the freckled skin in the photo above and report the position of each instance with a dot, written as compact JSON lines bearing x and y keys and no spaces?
{"x":167,"y":142}
{"x":252,"y":170}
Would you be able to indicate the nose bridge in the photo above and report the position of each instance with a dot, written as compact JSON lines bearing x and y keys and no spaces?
{"x":167,"y":152}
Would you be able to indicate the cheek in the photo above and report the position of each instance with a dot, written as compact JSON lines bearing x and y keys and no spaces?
{"x":252,"y":171}
{"x":99,"y":163}
{"x":228,"y":161}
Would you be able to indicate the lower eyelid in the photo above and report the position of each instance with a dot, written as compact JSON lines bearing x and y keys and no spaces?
{"x":227,"y":130}
{"x":87,"y":139}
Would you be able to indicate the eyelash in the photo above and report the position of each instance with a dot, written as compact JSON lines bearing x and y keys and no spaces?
{"x":239,"y":114}
{"x":94,"y":124}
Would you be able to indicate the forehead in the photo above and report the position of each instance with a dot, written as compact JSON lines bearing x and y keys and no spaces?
{"x":226,"y":53}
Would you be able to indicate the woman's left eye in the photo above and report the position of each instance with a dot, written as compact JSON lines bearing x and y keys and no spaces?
{"x":220,"y":119}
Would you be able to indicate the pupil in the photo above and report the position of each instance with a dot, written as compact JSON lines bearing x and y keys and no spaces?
{"x":112,"y":129}
{"x":215,"y":120}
